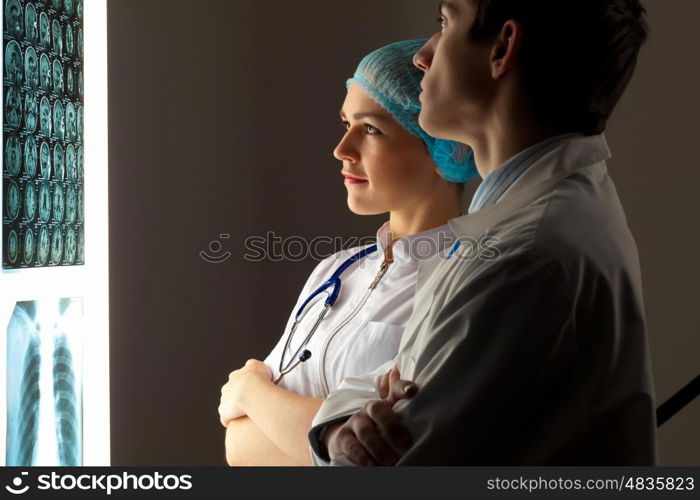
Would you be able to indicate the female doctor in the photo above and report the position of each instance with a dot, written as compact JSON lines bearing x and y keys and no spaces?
{"x":351,"y":313}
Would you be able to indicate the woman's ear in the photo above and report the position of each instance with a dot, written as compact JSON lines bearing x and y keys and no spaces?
{"x":438,"y":173}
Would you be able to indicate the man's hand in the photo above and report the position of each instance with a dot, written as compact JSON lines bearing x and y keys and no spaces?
{"x":233,"y":390}
{"x":360,"y":440}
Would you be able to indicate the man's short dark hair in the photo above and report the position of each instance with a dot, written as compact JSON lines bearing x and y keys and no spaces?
{"x":577,"y":57}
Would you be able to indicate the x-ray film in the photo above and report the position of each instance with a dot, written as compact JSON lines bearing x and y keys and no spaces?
{"x":44,"y":384}
{"x":43,"y":185}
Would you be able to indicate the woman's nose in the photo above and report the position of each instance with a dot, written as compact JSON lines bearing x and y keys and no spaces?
{"x":344,"y":150}
{"x":424,"y":57}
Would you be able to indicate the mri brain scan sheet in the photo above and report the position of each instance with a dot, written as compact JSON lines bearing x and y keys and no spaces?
{"x":43,"y":133}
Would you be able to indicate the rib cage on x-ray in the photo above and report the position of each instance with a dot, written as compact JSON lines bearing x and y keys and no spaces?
{"x":44,"y":384}
{"x":29,"y":404}
{"x":66,"y":404}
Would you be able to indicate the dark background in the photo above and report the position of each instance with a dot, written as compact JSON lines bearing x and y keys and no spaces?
{"x":223,"y":118}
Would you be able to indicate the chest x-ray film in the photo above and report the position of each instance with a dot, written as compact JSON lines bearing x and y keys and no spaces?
{"x":44,"y":384}
{"x":43,"y":154}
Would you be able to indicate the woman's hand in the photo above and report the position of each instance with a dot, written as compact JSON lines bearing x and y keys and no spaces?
{"x":239,"y":381}
{"x":391,"y":387}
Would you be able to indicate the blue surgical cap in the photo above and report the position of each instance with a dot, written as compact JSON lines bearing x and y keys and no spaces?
{"x":390,"y":78}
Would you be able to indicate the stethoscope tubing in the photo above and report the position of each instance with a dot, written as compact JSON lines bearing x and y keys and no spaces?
{"x":301,"y":354}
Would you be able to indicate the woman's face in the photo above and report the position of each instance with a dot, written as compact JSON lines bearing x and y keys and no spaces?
{"x":386,"y":168}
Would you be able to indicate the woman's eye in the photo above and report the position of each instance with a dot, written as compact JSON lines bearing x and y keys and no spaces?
{"x":372,"y":130}
{"x":442,"y":22}
{"x":346,"y":125}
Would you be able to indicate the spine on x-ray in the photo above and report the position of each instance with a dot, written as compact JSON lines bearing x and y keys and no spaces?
{"x":68,"y":428}
{"x":29,"y":405}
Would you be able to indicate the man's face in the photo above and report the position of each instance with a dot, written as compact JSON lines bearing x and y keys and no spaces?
{"x":457,"y":84}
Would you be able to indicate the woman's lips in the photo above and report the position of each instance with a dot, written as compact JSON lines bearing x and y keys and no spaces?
{"x":351,"y":179}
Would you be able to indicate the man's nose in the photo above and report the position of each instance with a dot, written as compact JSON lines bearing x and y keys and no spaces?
{"x":424,"y":57}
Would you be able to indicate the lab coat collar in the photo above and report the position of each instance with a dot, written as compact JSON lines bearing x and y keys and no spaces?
{"x":416,"y":247}
{"x":559,"y":162}
{"x":500,"y":181}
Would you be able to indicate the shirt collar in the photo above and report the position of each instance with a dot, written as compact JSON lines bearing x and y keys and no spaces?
{"x":500,"y":181}
{"x":416,"y":246}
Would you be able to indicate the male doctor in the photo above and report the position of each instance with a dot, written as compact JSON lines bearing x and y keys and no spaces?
{"x":536,"y":355}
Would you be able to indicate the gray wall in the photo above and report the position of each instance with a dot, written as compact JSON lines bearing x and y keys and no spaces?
{"x":654,"y":140}
{"x":223,"y":120}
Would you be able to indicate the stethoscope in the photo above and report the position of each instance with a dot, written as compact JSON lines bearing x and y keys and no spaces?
{"x":302,"y":355}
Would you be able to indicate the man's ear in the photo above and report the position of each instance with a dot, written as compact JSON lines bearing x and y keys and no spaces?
{"x":506,"y":48}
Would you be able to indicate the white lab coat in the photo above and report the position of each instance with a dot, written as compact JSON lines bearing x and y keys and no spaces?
{"x":538,"y":357}
{"x":363,"y":330}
